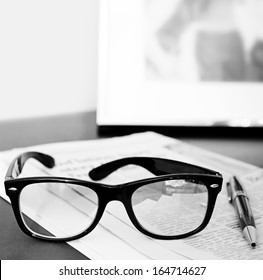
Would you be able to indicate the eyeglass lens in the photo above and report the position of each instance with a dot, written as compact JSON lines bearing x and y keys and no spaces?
{"x":71,"y":208}
{"x":171,"y":207}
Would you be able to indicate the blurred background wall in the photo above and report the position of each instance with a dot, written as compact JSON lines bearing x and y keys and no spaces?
{"x":48,"y":57}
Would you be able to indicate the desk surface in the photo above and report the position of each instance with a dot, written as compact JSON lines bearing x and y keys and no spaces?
{"x":20,"y":133}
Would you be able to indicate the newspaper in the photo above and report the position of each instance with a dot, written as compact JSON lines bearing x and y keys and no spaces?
{"x":115,"y":237}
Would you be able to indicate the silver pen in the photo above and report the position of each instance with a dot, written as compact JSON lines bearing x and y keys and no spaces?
{"x":239,"y":199}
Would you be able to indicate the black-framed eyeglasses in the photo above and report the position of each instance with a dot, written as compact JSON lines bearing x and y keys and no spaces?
{"x":177,"y":203}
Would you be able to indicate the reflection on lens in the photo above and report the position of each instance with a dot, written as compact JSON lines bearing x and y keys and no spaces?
{"x":171,"y":207}
{"x":58,"y":209}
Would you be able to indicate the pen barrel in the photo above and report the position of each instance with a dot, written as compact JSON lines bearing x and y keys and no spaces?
{"x":244,"y":211}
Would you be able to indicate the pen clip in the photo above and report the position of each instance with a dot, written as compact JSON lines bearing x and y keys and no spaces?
{"x":229,"y":193}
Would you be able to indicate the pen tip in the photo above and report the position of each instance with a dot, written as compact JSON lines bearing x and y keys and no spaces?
{"x":250,"y":234}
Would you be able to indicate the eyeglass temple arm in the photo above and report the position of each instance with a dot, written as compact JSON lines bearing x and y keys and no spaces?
{"x":18,"y":163}
{"x":157,"y":166}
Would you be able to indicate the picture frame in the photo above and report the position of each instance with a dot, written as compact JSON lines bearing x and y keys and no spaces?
{"x":134,"y":90}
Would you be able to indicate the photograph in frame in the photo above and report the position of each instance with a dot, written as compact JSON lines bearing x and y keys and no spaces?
{"x":181,"y":63}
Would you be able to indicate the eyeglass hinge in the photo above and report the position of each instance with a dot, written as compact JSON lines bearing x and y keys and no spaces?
{"x":13,"y":189}
{"x":8,"y":178}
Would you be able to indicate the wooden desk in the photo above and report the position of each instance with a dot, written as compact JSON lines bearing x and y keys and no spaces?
{"x":14,"y":244}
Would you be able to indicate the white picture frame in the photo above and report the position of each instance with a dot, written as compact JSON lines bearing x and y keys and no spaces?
{"x":129,"y":93}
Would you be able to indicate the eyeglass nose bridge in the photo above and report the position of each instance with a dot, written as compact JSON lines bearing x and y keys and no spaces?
{"x":112,"y":193}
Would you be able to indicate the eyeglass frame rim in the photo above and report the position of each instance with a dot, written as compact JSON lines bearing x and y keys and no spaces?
{"x":124,"y":191}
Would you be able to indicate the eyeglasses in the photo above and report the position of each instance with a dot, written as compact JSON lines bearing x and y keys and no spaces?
{"x":177,"y":203}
